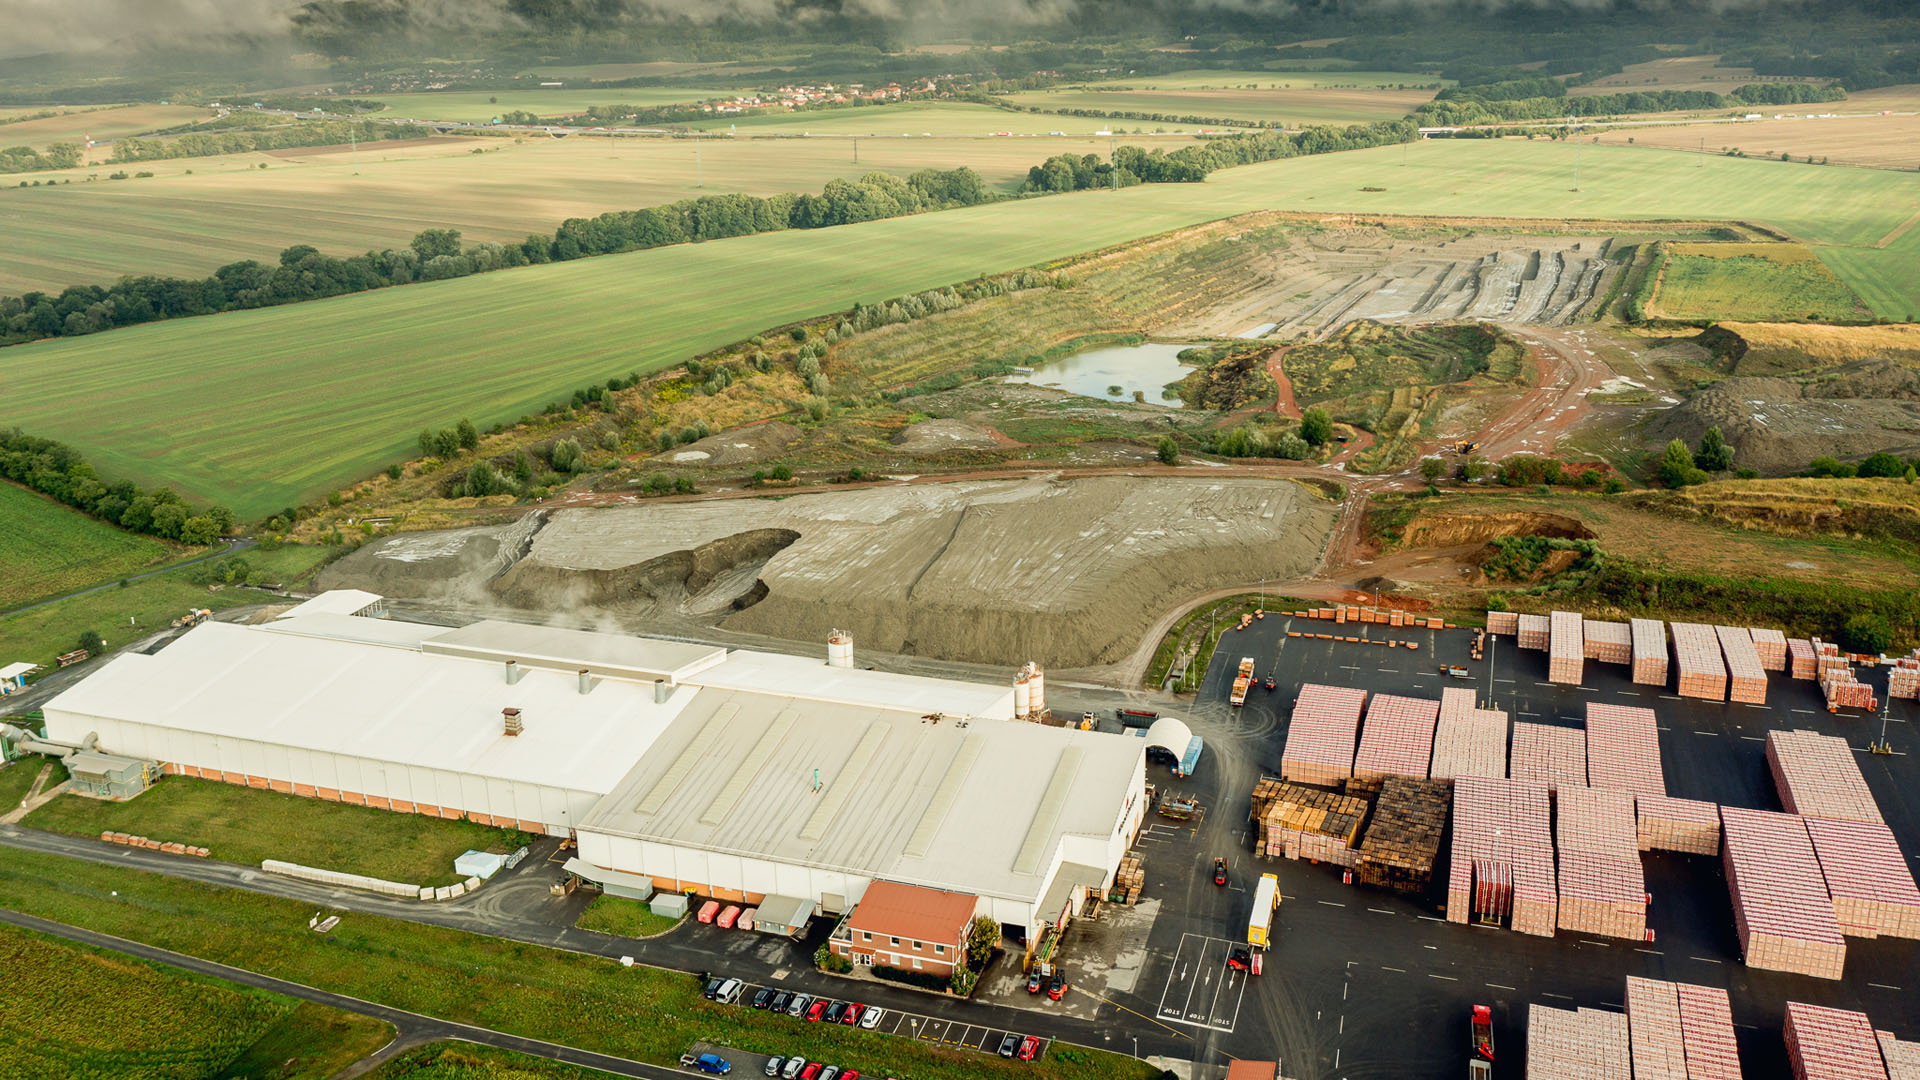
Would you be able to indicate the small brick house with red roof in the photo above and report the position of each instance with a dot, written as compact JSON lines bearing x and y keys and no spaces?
{"x":907,"y":927}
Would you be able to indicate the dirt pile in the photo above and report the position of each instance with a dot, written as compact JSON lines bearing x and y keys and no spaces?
{"x":930,"y":437}
{"x":1454,"y":529}
{"x":1779,"y":425}
{"x":741,"y":446}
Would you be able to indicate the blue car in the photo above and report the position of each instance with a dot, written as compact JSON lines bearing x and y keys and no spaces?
{"x":707,"y":1063}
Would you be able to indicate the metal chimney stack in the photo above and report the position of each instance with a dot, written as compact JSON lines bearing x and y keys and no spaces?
{"x":586,"y":680}
{"x":661,"y":691}
{"x":510,"y":719}
{"x":513,"y":672}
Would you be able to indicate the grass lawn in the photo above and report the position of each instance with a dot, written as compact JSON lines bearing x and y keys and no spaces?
{"x":17,"y":777}
{"x":465,"y":1061}
{"x":481,"y":106}
{"x":1292,"y":108}
{"x":120,"y":615}
{"x":78,"y":1011}
{"x":333,"y":389}
{"x":246,"y":825}
{"x":50,"y":548}
{"x":623,"y":917}
{"x":109,"y":123}
{"x":585,"y":1001}
{"x":1751,"y":283}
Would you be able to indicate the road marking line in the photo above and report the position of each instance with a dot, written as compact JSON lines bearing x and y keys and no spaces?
{"x":1883,"y":986}
{"x":1671,"y":697}
{"x":1602,"y":944}
{"x":1430,"y":918}
{"x":1343,"y":1023}
{"x":1562,"y":997}
{"x":1753,"y":738}
{"x":1697,"y":732}
{"x":1497,"y":986}
{"x":1651,"y":952}
{"x":1330,"y":903}
{"x":1704,"y":959}
{"x":1807,"y":712}
{"x":1380,"y":911}
{"x":1384,"y":967}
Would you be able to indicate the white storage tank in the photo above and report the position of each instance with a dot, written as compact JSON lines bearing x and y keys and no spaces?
{"x":1036,"y":690}
{"x":1022,"y":695}
{"x":840,"y":649}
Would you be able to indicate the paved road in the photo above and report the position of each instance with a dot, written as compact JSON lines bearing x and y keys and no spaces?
{"x":414,"y":1028}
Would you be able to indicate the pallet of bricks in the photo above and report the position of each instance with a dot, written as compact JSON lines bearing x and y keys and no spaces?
{"x":1321,"y":735}
{"x":1502,"y":855}
{"x":1566,"y":648}
{"x":1903,"y":678}
{"x":1649,"y":651}
{"x":1549,"y":754}
{"x":1802,"y":662}
{"x":1535,"y":631}
{"x":1467,"y":741}
{"x":1583,"y":1044}
{"x":1397,"y":738}
{"x":1781,"y":909}
{"x":1902,"y":1057}
{"x":1623,"y":749}
{"x":1403,"y":840}
{"x":1868,"y":878}
{"x":1310,"y":823}
{"x":1608,"y":642}
{"x":1680,"y":1031}
{"x":1127,"y":882}
{"x":1696,"y":655}
{"x":1683,"y":825}
{"x":1771,"y":646}
{"x":1503,"y":622}
{"x":1831,"y":1044}
{"x":1746,"y":679}
{"x":1837,"y":681}
{"x":1817,"y":776}
{"x":1602,"y":888}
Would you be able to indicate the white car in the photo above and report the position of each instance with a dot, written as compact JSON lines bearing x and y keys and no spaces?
{"x":871,"y":1018}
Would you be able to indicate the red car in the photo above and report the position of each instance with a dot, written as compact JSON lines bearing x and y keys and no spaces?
{"x":812,"y":1070}
{"x":852,"y":1016}
{"x":1029,"y":1046}
{"x":816,"y":1010}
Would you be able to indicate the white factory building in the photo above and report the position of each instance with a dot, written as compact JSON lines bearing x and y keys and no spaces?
{"x":736,"y":774}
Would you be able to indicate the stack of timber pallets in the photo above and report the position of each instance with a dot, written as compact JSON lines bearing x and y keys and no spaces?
{"x":1683,"y":825}
{"x":1397,"y":738}
{"x":1902,"y":1058}
{"x":1801,"y":659}
{"x":1468,"y":741}
{"x":1127,"y":882}
{"x":1817,"y":777}
{"x":1588,"y":1044}
{"x":1867,"y":876}
{"x":1903,"y":679}
{"x":1321,"y":735}
{"x":1608,"y":642}
{"x":1549,"y":754}
{"x":1771,"y":645}
{"x":1623,"y":749}
{"x":1831,"y":1044}
{"x":1501,"y":836}
{"x":1265,"y":790}
{"x":1781,"y":909}
{"x":1649,"y":652}
{"x":1403,"y":842}
{"x":1680,"y":1031}
{"x":1602,"y":888}
{"x":1696,"y":652}
{"x":1310,"y":823}
{"x":1535,"y":631}
{"x":1503,"y":622}
{"x":1748,"y":680}
{"x":1566,"y":648}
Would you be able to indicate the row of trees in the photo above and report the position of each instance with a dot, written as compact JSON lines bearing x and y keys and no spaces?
{"x":1473,"y":105}
{"x":26,"y":159}
{"x":301,"y":133}
{"x":56,"y":469}
{"x":1191,"y":164}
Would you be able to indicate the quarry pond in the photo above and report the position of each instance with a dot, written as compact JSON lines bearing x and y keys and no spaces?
{"x":1146,"y":368}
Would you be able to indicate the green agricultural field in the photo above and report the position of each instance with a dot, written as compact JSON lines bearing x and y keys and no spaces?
{"x":480,"y":106}
{"x":196,"y":214}
{"x":48,"y":548}
{"x":76,"y":1011}
{"x":246,"y":825}
{"x":284,"y":403}
{"x":109,"y":123}
{"x":913,"y":119}
{"x":1753,"y":288}
{"x":1295,"y":99}
{"x":1216,"y":79}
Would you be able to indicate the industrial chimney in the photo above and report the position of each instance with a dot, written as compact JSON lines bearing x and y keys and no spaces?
{"x":513,"y":672}
{"x":510,"y":718}
{"x":840,"y":649}
{"x":586,"y":680}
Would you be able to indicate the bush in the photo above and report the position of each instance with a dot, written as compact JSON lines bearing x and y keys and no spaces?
{"x":1168,"y":451}
{"x":1316,"y":426}
{"x":781,"y":472}
{"x":1881,"y":464}
{"x":926,"y":980}
{"x":1866,"y":633}
{"x":1829,"y":467}
{"x":827,"y":960}
{"x":90,"y":641}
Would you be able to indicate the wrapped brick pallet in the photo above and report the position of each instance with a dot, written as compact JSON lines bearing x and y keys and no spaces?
{"x":1696,"y":653}
{"x":1771,"y":645}
{"x":1473,"y":744}
{"x":1680,"y":1031}
{"x":1747,"y":680}
{"x":1623,"y":749}
{"x":1503,"y":622}
{"x":1867,"y":876}
{"x":1602,"y":888}
{"x":1781,"y":910}
{"x":1548,"y":754}
{"x":1502,"y":837}
{"x":1321,"y":735}
{"x":1817,"y":776}
{"x":1683,"y":825}
{"x":1587,"y":1044}
{"x":1902,"y":1057}
{"x":1831,"y":1044}
{"x":1649,"y":652}
{"x":1309,"y":823}
{"x":1397,"y":738}
{"x":1903,"y":679}
{"x":1535,"y":630}
{"x":1608,"y":642}
{"x":1800,"y":659}
{"x":1566,"y":648}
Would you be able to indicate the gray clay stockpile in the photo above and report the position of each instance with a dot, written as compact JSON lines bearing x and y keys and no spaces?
{"x":1778,"y":425}
{"x":1066,"y":572}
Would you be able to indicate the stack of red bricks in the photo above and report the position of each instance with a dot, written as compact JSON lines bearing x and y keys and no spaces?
{"x":1608,"y":642}
{"x":1468,"y":741}
{"x":1781,"y":909}
{"x":1903,"y":679}
{"x":1549,"y":754}
{"x":1535,"y":631}
{"x":1771,"y":644}
{"x":1588,"y":1044}
{"x":1623,"y":749}
{"x":1696,"y":651}
{"x":1321,"y":734}
{"x":1817,"y":776}
{"x":1801,"y":659}
{"x":1902,"y":1058}
{"x":169,"y":847}
{"x":1649,"y":652}
{"x":1505,"y":822}
{"x":1397,"y":739}
{"x":1683,"y":825}
{"x":1872,"y":888}
{"x":1831,"y":1044}
{"x":1566,"y":648}
{"x":1680,"y":1031}
{"x":1844,"y":691}
{"x":1602,"y":888}
{"x":1748,"y":680}
{"x":1503,"y":622}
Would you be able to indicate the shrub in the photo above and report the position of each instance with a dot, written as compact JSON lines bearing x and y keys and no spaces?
{"x":1867,"y":633}
{"x":90,"y":641}
{"x":1881,"y":464}
{"x":1168,"y":451}
{"x":826,"y":960}
{"x":781,"y":472}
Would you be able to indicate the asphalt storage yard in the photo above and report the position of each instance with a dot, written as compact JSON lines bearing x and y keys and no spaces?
{"x":1363,"y":982}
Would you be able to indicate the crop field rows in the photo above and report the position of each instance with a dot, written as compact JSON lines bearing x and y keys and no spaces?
{"x":49,"y":548}
{"x":1756,"y":282}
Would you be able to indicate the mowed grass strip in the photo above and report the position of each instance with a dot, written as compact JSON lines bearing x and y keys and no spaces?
{"x":1756,"y":287}
{"x":48,"y":548}
{"x":247,"y":825}
{"x":264,"y":408}
{"x":589,"y":1002}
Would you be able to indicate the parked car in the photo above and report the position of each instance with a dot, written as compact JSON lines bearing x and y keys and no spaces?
{"x":1035,"y":981}
{"x":1029,"y":1046}
{"x":729,"y":916}
{"x":798,"y":1007}
{"x":762,"y":997}
{"x":707,"y":1063}
{"x":815,"y":1011}
{"x":713,"y":988}
{"x":850,"y":1074}
{"x":835,"y":1011}
{"x":780,"y":1001}
{"x":812,"y":1071}
{"x":774,"y":1063}
{"x":1057,"y":989}
{"x":829,"y":1072}
{"x":852,"y":1016}
{"x":730,"y":992}
{"x":1008,"y":1045}
{"x":794,"y":1065}
{"x":871,"y":1018}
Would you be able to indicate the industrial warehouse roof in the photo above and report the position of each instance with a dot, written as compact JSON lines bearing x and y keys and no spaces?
{"x":334,"y":602}
{"x":805,"y":677}
{"x":974,"y":806}
{"x":620,"y":656}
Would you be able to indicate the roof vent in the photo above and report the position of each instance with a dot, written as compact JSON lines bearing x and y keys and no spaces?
{"x":586,"y":680}
{"x":513,"y":672}
{"x":661,"y":691}
{"x":510,"y":719}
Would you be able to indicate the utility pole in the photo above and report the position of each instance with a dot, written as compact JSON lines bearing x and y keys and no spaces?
{"x":1113,"y":159}
{"x":353,"y":137}
{"x":699,"y":176}
{"x":1576,"y":166}
{"x":856,"y":148}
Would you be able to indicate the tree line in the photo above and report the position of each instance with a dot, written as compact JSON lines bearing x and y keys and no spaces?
{"x":302,"y":133}
{"x":1537,"y":99}
{"x":26,"y":159}
{"x":58,"y":470}
{"x":1191,"y":164}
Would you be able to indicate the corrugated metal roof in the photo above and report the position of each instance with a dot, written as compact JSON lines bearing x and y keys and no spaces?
{"x":683,"y":764}
{"x":943,"y":796}
{"x":749,"y":767}
{"x":1040,"y":830}
{"x":852,"y":775}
